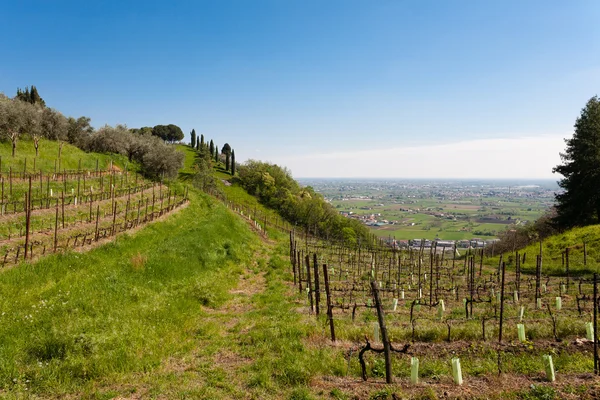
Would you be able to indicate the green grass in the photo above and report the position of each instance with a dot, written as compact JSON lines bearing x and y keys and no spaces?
{"x":189,"y":160}
{"x":74,"y":319}
{"x":553,"y":247}
{"x":48,"y":156}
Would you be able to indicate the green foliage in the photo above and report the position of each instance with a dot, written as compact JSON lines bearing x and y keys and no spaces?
{"x":579,"y":204}
{"x":300,"y":394}
{"x":168,"y":133}
{"x":383,"y":394}
{"x":539,"y":392}
{"x":275,"y":188}
{"x":226,"y":149}
{"x":30,"y":96}
{"x":203,"y":171}
{"x":233,"y":163}
{"x":156,"y":157}
{"x":193,"y":142}
{"x":78,"y":130}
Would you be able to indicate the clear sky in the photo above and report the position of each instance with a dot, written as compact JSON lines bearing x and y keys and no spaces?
{"x":451,"y":88}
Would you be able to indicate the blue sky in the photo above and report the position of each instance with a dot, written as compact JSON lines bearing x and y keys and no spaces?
{"x":327,"y":88}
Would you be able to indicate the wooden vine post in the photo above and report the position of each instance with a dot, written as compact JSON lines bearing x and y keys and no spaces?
{"x":329,"y":306}
{"x":309,"y":283}
{"x":384,"y":335}
{"x":27,"y":217}
{"x":316,"y":279}
{"x":596,"y":323}
{"x":56,"y":228}
{"x":501,"y":303}
{"x":567,"y":265}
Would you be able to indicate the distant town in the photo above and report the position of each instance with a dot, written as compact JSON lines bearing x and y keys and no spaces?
{"x":469,"y":213}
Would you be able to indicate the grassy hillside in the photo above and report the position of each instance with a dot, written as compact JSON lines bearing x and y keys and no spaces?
{"x":553,"y":250}
{"x":48,"y":156}
{"x":71,"y":320}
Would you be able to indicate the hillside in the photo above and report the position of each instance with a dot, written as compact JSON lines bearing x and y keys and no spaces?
{"x":554,"y":253}
{"x":48,"y":160}
{"x":200,"y":303}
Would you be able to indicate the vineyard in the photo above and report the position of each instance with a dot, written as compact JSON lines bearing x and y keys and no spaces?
{"x":429,"y":302}
{"x":49,"y":212}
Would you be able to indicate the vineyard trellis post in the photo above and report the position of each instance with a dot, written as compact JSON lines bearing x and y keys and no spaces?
{"x":316,"y":279}
{"x":384,"y":335}
{"x":56,"y":229}
{"x":27,"y":217}
{"x":481,"y":263}
{"x":308,"y":282}
{"x":501,"y":303}
{"x":595,"y":323}
{"x":299,"y":264}
{"x":329,"y":306}
{"x":567,"y":267}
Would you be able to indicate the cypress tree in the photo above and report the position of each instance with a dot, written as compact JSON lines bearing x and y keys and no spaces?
{"x":226,"y":161}
{"x":232,"y":162}
{"x":579,"y":204}
{"x":193,"y":144}
{"x":201,"y":140}
{"x":211,"y":148}
{"x":216,"y":154}
{"x":35,"y":97}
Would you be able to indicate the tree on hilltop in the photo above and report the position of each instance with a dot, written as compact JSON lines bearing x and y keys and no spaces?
{"x":227,"y":151}
{"x":232,"y":162}
{"x":193,"y":143}
{"x":168,"y":133}
{"x":579,"y":204}
{"x":211,"y":148}
{"x":18,"y":118}
{"x":30,"y":96}
{"x":79,"y":130}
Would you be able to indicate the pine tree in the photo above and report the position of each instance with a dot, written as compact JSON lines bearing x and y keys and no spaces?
{"x":579,"y":204}
{"x":232,"y":162}
{"x":193,"y":134}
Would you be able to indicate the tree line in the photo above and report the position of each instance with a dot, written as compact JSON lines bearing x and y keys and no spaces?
{"x":26,"y":115}
{"x":210,"y":151}
{"x":274,"y":187}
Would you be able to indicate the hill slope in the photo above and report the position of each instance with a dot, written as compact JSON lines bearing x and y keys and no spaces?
{"x":553,"y":253}
{"x":48,"y":157}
